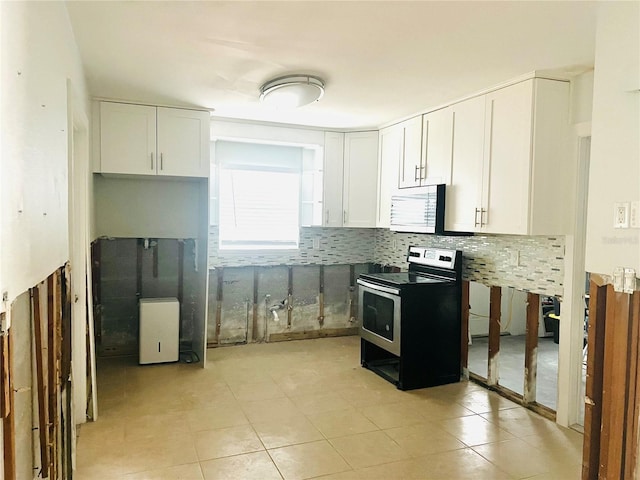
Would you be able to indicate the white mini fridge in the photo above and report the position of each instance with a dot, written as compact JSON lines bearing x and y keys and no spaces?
{"x":159,"y":330}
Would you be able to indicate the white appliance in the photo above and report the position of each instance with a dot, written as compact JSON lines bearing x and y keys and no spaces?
{"x":159,"y":330}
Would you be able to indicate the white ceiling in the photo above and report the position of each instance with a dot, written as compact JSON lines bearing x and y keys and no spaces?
{"x":381,"y":60}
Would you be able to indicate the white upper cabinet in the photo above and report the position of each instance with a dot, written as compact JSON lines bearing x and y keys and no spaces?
{"x":333,"y":173}
{"x":464,"y":189}
{"x":148,"y":140}
{"x":360,"y":179}
{"x":390,"y":155}
{"x":127,"y":139}
{"x":510,"y":165}
{"x":183,"y":142}
{"x":411,"y":168}
{"x":437,"y":142}
{"x":527,"y":173}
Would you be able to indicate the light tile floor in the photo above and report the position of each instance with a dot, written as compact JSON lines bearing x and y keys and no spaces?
{"x":306,"y":409}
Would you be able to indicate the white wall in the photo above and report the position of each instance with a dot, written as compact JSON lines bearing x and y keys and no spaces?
{"x":615,"y":147}
{"x":38,"y":55}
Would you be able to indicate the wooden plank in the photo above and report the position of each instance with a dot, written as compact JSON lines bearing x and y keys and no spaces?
{"x":614,"y":386}
{"x":5,"y":394}
{"x":633,"y":392}
{"x":495,"y":299}
{"x":43,"y":419}
{"x":309,"y":334}
{"x":321,"y":296}
{"x":593,"y":388}
{"x":52,"y":371}
{"x":531,"y":348}
{"x":290,"y":298}
{"x":8,"y":423}
{"x":219,"y":294}
{"x":256,"y":280}
{"x":464,"y":337}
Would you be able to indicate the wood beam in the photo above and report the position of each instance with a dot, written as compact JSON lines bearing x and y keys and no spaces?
{"x":531,"y":348}
{"x":8,"y":422}
{"x":52,"y":370}
{"x":43,"y":419}
{"x":615,"y":382}
{"x":495,"y":299}
{"x":464,"y":336}
{"x":633,"y":392}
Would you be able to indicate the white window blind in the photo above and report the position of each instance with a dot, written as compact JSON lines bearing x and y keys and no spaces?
{"x":263,"y":193}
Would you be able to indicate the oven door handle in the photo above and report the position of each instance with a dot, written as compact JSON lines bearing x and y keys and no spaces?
{"x":380,"y":288}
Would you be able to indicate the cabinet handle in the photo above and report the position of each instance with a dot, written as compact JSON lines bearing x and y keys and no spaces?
{"x":482,"y":212}
{"x":161,"y":161}
{"x":327,"y":218}
{"x":344,"y":217}
{"x":151,"y":160}
{"x":423,"y":177}
{"x":415,"y":175}
{"x":475,"y":219}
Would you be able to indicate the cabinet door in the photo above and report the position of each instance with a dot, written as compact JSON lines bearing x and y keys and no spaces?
{"x":437,"y":139}
{"x":333,"y":171}
{"x":183,"y":142}
{"x":411,"y":168}
{"x":360,"y":179}
{"x":390,"y":153}
{"x":464,"y":194}
{"x":508,"y":157}
{"x":127,"y":139}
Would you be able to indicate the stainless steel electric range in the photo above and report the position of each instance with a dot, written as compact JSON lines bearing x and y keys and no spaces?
{"x":410,"y":321}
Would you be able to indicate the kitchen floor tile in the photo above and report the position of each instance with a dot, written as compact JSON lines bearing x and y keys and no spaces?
{"x":190,"y":471}
{"x":288,"y":431}
{"x":367,"y":449}
{"x":308,"y":460}
{"x":308,"y":409}
{"x":250,"y":466}
{"x":423,"y":439}
{"x":225,"y":442}
{"x":338,"y":423}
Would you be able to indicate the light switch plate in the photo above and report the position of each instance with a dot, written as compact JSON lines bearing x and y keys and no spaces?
{"x":621,"y":215}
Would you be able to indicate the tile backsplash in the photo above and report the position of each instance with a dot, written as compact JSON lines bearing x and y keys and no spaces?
{"x":487,"y":259}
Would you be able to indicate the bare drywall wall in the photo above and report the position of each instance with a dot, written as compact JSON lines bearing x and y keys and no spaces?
{"x":38,"y":55}
{"x":614,"y":174}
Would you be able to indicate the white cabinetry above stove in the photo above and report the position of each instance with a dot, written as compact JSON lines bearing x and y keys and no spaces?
{"x":525,"y":166}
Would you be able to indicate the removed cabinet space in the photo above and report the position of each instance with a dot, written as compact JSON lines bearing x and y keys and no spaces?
{"x":525,"y":161}
{"x":149,"y":140}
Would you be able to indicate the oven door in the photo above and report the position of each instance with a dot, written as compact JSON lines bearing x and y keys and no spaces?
{"x":379,"y":313}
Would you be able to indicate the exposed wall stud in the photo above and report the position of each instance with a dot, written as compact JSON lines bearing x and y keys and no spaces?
{"x":8,"y":421}
{"x":321,"y":296}
{"x":464,"y":337}
{"x":43,"y":419}
{"x":494,"y":335}
{"x":256,"y":278}
{"x":219,"y":294}
{"x":290,"y":298}
{"x":531,"y":348}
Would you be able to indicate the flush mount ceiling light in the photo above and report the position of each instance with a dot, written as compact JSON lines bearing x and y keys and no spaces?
{"x":292,"y":91}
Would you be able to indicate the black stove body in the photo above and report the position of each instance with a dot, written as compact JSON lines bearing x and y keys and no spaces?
{"x":410,"y":322}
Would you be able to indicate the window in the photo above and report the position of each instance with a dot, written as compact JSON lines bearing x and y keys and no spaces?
{"x":265,"y":193}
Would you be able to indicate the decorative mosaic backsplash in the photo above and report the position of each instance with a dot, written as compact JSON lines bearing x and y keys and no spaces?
{"x":487,"y":258}
{"x":336,"y":246}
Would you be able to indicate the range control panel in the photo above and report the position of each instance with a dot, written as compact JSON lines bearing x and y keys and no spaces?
{"x":435,"y":257}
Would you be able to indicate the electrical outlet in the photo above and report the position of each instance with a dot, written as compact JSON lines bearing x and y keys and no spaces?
{"x":621,"y":215}
{"x":514,"y":258}
{"x":316,"y":243}
{"x":634,"y":213}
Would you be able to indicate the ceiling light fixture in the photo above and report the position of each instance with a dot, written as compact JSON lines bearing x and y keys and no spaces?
{"x":292,"y":91}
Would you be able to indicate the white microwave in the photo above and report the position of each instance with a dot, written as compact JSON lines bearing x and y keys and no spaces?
{"x":421,"y":212}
